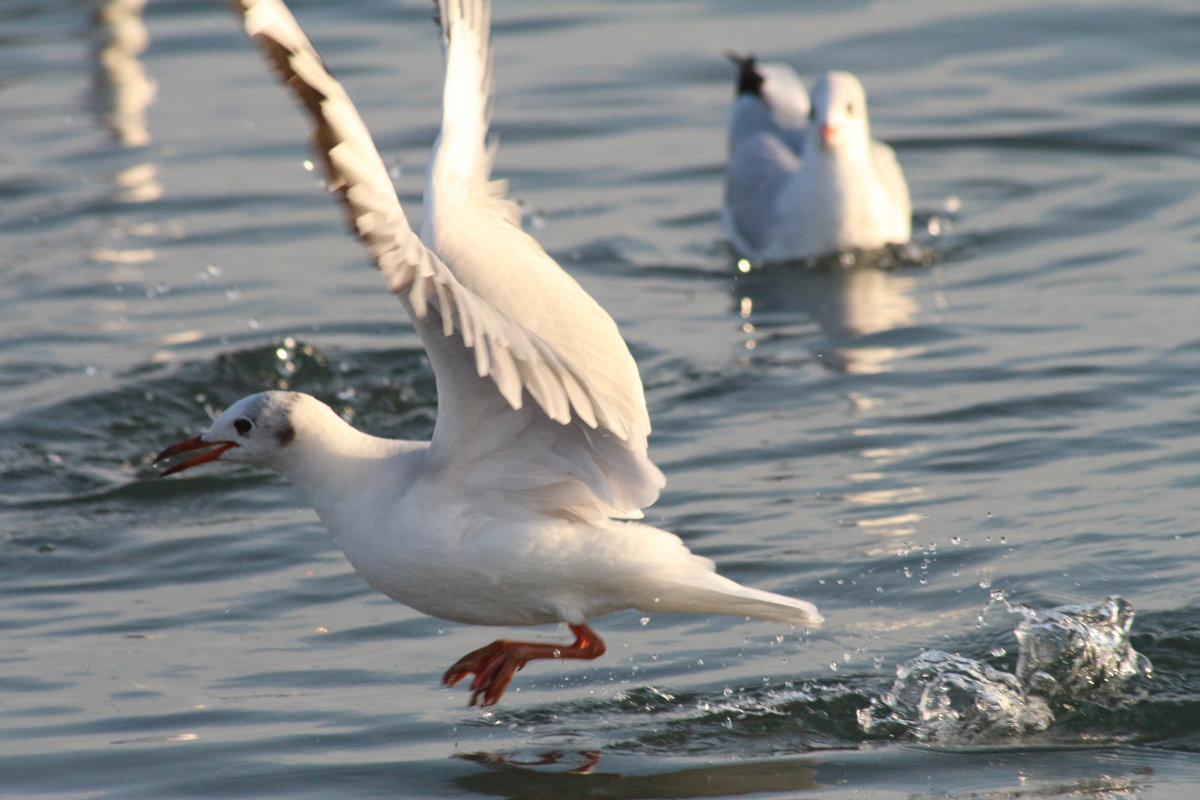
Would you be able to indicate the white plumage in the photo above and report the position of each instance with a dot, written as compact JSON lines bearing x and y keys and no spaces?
{"x":804,"y":177}
{"x":507,"y":516}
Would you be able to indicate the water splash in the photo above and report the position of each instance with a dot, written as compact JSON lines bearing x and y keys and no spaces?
{"x":1067,"y":656}
{"x":948,"y":698}
{"x":1076,"y":654}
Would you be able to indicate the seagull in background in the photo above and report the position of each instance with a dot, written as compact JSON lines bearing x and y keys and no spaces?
{"x":804,"y":177}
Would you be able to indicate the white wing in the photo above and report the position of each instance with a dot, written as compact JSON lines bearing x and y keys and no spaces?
{"x":758,"y":169}
{"x":784,"y":93}
{"x":771,"y":98}
{"x":501,"y":321}
{"x":766,"y":134}
{"x":891,"y":177}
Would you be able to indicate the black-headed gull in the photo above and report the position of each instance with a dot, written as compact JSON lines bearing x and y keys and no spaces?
{"x":800,"y":188}
{"x":517,"y":512}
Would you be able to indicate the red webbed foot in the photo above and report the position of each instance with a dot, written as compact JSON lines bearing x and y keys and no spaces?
{"x":495,"y":664}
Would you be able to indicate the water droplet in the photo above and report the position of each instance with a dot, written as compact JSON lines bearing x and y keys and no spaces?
{"x":644,"y":621}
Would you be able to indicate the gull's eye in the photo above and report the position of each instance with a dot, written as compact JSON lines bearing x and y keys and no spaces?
{"x":812,"y":113}
{"x":242,"y":425}
{"x":850,"y":109}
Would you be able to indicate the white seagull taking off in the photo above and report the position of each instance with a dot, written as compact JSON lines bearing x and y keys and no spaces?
{"x":804,"y":177}
{"x":517,"y":512}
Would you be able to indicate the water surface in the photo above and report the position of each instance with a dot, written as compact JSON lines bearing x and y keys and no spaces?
{"x":1013,"y":419}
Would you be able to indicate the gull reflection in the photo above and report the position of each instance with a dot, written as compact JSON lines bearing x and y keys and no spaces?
{"x":122,"y":86}
{"x":123,"y":91}
{"x":510,"y":775}
{"x":846,"y":303}
{"x":844,"y":312}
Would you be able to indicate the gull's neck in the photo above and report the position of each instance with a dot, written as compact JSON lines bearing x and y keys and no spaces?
{"x":337,"y":467}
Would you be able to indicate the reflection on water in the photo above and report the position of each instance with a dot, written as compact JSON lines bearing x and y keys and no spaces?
{"x":515,"y":776}
{"x":852,"y":306}
{"x":123,"y":90}
{"x":847,"y":303}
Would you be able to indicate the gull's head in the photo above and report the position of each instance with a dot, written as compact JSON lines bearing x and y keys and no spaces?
{"x":839,"y":112}
{"x":258,"y":429}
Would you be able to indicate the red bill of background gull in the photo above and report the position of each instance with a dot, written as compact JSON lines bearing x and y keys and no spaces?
{"x":521,"y":509}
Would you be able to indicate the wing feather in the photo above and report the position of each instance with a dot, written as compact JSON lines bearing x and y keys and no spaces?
{"x":500,"y":320}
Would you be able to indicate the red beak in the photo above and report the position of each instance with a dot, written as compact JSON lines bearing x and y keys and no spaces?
{"x":186,"y":446}
{"x":828,"y":133}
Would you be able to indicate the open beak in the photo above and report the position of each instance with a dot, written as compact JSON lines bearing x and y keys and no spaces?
{"x":214,"y":451}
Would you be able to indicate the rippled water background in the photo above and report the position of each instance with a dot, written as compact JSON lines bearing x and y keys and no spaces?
{"x":1017,"y":419}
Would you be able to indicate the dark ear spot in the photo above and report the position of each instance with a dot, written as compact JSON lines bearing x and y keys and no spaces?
{"x":285,"y":436}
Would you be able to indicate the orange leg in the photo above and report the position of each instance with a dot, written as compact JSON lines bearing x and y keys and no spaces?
{"x":495,"y":664}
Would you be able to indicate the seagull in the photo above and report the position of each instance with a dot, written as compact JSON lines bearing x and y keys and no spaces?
{"x":804,"y":177}
{"x":522,"y":509}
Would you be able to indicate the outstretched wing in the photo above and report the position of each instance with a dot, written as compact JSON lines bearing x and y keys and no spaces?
{"x":502,"y":323}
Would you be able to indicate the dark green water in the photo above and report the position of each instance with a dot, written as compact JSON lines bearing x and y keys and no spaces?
{"x":1020,"y":417}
